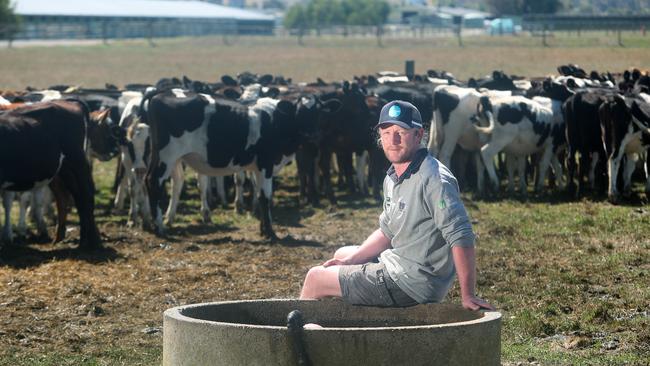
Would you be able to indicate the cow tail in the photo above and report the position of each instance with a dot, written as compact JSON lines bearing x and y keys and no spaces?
{"x":143,"y":113}
{"x":85,"y":112}
{"x":436,"y":133}
{"x":487,"y":110}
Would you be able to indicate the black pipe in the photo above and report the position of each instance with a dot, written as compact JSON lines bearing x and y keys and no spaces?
{"x":295,"y":324}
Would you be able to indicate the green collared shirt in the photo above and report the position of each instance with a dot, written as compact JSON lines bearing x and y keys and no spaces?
{"x":424,"y":217}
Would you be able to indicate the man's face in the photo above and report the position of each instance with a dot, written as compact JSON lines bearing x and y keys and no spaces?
{"x":399,"y":143}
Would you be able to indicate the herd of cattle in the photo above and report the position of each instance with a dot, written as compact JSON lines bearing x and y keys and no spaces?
{"x":251,"y":126}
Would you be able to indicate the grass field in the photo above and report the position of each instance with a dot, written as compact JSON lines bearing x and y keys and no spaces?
{"x":571,"y":278}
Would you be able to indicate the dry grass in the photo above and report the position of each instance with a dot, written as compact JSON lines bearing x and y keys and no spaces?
{"x":209,"y":58}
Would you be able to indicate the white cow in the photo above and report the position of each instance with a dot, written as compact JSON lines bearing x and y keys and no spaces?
{"x":520,"y":127}
{"x":454,"y":107}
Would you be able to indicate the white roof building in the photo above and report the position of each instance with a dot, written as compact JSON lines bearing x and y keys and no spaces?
{"x":56,"y":19}
{"x":133,"y":8}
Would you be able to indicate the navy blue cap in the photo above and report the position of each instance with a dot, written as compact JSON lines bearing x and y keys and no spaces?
{"x":401,"y":113}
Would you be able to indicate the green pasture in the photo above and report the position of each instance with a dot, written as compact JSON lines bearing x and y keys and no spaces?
{"x":572,"y":279}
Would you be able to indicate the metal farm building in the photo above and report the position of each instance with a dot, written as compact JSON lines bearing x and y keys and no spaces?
{"x":48,"y":19}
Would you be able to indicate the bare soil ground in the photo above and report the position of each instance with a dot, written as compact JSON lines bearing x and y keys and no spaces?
{"x":55,"y":298}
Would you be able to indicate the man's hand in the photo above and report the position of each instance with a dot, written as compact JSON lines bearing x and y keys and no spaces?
{"x":476,"y":303}
{"x":334,"y":262}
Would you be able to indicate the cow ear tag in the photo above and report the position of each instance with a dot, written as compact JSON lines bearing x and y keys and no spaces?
{"x":394,"y":111}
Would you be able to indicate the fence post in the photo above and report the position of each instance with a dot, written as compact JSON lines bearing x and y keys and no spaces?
{"x":105,"y":32}
{"x":620,"y":40}
{"x":409,"y":69}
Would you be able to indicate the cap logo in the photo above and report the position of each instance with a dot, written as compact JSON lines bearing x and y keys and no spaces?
{"x":394,"y":111}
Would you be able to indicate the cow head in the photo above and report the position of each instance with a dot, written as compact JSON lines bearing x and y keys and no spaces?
{"x":104,"y":136}
{"x":310,"y":112}
{"x":138,"y":144}
{"x":556,"y":90}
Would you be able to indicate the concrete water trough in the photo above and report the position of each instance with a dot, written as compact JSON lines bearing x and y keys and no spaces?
{"x":256,"y":332}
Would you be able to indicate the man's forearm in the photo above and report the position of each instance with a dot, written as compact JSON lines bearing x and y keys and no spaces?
{"x":465,"y":262}
{"x":371,"y":248}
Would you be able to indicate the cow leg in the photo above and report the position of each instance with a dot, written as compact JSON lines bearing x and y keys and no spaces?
{"x":571,"y":172}
{"x":239,"y":178}
{"x":544,"y":162}
{"x":313,"y":180}
{"x":7,"y":200}
{"x":141,"y":200}
{"x":255,"y":181}
{"x":512,"y":162}
{"x":325,"y":166}
{"x":302,"y":166}
{"x":595,"y":156}
{"x":582,"y":172}
{"x":558,"y":172}
{"x":122,"y":189}
{"x":203,"y":190}
{"x":60,"y":198}
{"x":613,"y":165}
{"x":487,"y":155}
{"x":345,"y":167}
{"x":307,"y":161}
{"x":264,"y":191}
{"x":77,"y":178}
{"x":133,"y":202}
{"x":360,"y":168}
{"x":646,"y":169}
{"x":176,"y":187}
{"x":37,"y":212}
{"x":521,"y":170}
{"x":448,"y":146}
{"x":23,"y":203}
{"x":630,"y":166}
{"x":488,"y":152}
{"x":221,"y":190}
{"x":480,"y":174}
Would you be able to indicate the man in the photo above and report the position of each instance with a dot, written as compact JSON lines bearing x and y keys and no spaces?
{"x":424,"y":234}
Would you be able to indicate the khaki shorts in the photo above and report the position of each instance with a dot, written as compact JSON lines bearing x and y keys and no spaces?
{"x":369,"y":284}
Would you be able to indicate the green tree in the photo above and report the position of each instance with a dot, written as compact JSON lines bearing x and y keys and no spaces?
{"x":297,"y":19}
{"x":368,"y":13}
{"x":324,"y":13}
{"x":518,"y":7}
{"x":541,"y":6}
{"x":9,"y":21}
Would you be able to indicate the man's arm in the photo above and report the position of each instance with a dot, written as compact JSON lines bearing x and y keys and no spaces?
{"x":376,"y":243}
{"x":464,"y":259}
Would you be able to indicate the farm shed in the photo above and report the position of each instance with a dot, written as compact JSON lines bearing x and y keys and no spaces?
{"x":46,"y":19}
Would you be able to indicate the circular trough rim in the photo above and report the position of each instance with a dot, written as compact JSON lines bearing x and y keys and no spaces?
{"x":175,"y":313}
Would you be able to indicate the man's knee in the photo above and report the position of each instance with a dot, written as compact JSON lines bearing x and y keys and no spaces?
{"x":320,"y":282}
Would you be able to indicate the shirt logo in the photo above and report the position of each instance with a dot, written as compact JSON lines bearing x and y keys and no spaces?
{"x":394,"y":111}
{"x":442,"y":204}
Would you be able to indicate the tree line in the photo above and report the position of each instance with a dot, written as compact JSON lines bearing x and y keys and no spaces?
{"x":9,"y":21}
{"x":318,"y":14}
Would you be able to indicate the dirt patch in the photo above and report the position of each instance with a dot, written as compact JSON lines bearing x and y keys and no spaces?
{"x":57,"y":298}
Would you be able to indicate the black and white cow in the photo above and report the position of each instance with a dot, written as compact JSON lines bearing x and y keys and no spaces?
{"x":519,"y":127}
{"x":219,"y":137}
{"x":454,"y":107}
{"x":49,"y":138}
{"x":625,"y":123}
{"x":584,"y":137}
{"x":134,"y":159}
